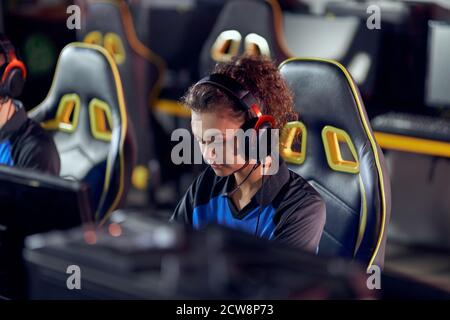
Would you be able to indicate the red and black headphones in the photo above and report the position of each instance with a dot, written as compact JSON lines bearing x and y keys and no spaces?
{"x":13,"y":71}
{"x":247,"y":102}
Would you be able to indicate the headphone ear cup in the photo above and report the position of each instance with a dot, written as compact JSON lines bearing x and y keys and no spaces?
{"x":257,"y":145}
{"x":14,"y":83}
{"x":250,"y":141}
{"x":250,"y":145}
{"x":264,"y":141}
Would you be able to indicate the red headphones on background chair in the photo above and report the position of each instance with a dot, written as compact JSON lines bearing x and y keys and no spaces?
{"x":13,"y":71}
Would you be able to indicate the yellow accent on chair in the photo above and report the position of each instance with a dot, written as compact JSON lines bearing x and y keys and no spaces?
{"x":140,"y":177}
{"x":290,"y":132}
{"x":363,"y":216}
{"x":256,"y":45}
{"x":332,"y":138}
{"x":110,"y":41}
{"x":226,"y":46}
{"x":228,"y":43}
{"x":94,"y":37}
{"x":113,"y":44}
{"x":67,"y":114}
{"x":100,"y":119}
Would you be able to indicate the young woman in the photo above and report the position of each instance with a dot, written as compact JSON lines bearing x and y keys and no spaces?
{"x":239,"y":194}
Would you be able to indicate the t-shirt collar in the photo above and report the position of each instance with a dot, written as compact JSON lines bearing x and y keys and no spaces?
{"x":16,"y":121}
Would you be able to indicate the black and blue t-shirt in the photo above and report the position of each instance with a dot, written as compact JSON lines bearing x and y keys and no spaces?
{"x":24,"y":144}
{"x":289,"y":209}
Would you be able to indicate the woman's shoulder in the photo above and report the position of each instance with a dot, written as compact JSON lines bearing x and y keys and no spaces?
{"x":298,"y":194}
{"x":299,"y":184}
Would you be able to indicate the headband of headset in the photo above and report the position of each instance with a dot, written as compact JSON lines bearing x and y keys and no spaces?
{"x":233,"y":88}
{"x":245,"y":99}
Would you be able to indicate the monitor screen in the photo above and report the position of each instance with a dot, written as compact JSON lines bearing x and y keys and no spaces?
{"x":438,"y":66}
{"x":32,"y":202}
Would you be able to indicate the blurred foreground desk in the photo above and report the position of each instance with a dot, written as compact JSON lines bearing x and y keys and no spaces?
{"x":139,"y":258}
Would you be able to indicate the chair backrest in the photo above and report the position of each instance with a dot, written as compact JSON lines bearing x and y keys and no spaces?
{"x":338,"y":155}
{"x":250,"y":26}
{"x":86,"y":113}
{"x":110,"y":24}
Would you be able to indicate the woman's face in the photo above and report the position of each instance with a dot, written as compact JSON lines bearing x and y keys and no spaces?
{"x":214,"y":131}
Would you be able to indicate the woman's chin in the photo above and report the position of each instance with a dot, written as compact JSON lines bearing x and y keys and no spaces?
{"x":220,"y":170}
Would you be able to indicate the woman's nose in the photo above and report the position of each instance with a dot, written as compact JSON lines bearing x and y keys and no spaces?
{"x":208,"y":153}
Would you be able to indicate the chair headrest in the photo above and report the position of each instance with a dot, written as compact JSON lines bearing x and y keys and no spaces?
{"x":326,"y":94}
{"x":89,"y":71}
{"x":245,"y":26}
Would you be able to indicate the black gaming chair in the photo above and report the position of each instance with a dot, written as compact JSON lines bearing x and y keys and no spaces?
{"x":85,"y":111}
{"x":339,"y":157}
{"x":109,"y":23}
{"x":250,"y":26}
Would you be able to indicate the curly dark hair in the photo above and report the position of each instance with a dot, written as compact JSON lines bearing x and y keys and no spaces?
{"x":257,"y":74}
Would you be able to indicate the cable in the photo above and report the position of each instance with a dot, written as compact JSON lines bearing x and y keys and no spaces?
{"x":260,"y":201}
{"x":245,"y":179}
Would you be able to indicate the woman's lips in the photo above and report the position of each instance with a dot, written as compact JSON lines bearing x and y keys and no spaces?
{"x":216,"y":166}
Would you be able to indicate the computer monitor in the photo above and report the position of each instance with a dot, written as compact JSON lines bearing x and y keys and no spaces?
{"x":437,"y":91}
{"x":148,"y":258}
{"x":32,"y":202}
